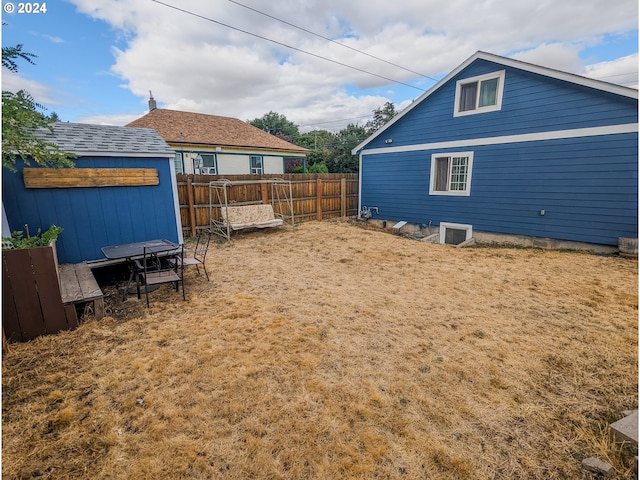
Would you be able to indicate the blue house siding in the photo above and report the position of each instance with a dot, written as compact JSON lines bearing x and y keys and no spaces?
{"x":531,"y":103}
{"x":559,"y":143}
{"x":99,"y":216}
{"x":588,"y":188}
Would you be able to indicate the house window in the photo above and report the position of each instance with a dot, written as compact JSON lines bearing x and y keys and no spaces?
{"x":479,"y":94}
{"x":451,"y":174}
{"x":256,"y":165}
{"x":179,"y":165}
{"x":209,"y":163}
{"x":205,"y":164}
{"x":455,"y":233}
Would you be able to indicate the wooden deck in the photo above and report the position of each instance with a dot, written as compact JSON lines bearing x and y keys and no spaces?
{"x":78,"y":285}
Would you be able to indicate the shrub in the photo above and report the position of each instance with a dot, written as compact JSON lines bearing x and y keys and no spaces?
{"x":41,"y":239}
{"x":318,"y":168}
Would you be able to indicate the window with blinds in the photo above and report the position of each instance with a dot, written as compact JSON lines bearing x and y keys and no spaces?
{"x":451,"y":174}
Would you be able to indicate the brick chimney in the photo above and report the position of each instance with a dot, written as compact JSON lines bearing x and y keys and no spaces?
{"x":152,"y":102}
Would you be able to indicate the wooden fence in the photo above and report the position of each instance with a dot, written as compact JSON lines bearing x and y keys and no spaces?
{"x":314,"y":196}
{"x":31,"y":301}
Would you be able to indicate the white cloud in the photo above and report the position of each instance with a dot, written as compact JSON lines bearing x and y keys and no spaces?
{"x":623,"y":71}
{"x":557,"y":55}
{"x":195,"y":64}
{"x":53,"y":39}
{"x":13,"y":82}
{"x":117,"y":120}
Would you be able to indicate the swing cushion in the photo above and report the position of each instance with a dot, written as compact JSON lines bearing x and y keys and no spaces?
{"x":250,"y":216}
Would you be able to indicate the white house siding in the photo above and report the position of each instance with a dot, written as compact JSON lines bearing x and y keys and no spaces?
{"x":273,"y":164}
{"x":233,"y":164}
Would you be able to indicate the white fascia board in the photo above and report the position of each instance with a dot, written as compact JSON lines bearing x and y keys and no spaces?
{"x":504,"y":139}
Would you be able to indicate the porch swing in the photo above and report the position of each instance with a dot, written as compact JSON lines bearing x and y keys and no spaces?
{"x":226,"y":216}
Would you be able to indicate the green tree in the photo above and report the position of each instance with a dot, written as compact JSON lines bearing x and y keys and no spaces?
{"x":380,"y":117}
{"x":320,"y":144}
{"x":21,"y":117}
{"x":276,"y":124}
{"x":342,"y":161}
{"x":10,"y":54}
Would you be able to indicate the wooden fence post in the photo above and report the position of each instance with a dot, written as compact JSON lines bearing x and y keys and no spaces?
{"x":192,"y":210}
{"x":319,"y":199}
{"x":343,"y":197}
{"x":264,"y":191}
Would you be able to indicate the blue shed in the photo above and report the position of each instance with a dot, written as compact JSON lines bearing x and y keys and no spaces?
{"x":123,"y":189}
{"x":510,"y":148}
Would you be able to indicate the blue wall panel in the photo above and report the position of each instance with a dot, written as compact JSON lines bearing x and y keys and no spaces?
{"x":587,"y":186}
{"x":96,"y":217}
{"x":531,"y":103}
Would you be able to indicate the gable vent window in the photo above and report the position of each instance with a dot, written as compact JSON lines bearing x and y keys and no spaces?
{"x":479,"y":94}
{"x":451,"y":174}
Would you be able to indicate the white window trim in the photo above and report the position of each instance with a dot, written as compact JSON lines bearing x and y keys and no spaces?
{"x":458,"y":226}
{"x":491,"y":108}
{"x":432,"y":178}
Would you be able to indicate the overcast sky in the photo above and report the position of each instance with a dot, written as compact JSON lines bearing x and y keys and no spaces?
{"x":98,"y":59}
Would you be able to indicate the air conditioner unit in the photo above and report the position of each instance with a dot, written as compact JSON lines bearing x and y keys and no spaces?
{"x":208,"y":170}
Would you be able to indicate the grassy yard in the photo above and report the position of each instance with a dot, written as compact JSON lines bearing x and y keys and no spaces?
{"x":330,"y":351}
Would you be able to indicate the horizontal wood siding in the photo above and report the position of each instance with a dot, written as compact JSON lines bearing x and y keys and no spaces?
{"x":588,"y":188}
{"x":308,"y":192}
{"x":88,"y":177}
{"x":531,"y":103}
{"x":96,"y":217}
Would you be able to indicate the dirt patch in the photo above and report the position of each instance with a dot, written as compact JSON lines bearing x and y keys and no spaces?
{"x":331,"y":351}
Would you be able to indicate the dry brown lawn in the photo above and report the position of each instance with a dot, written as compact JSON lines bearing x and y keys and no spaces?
{"x":331,"y":351}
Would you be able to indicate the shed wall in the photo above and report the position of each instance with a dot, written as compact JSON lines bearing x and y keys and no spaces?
{"x":96,"y":217}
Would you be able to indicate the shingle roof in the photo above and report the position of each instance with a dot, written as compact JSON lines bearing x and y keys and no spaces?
{"x":102,"y":140}
{"x":197,"y":128}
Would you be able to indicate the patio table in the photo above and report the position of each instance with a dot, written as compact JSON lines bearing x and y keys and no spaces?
{"x":130,"y":252}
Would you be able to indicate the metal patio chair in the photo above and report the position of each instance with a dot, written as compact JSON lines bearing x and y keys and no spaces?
{"x":158,"y":267}
{"x":199,"y":253}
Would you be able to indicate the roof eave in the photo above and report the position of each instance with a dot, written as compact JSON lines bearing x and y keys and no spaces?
{"x":99,"y":153}
{"x":301,"y":150}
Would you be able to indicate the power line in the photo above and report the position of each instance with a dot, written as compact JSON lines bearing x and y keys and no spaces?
{"x":333,"y":41}
{"x":334,"y":121}
{"x":285,"y":45}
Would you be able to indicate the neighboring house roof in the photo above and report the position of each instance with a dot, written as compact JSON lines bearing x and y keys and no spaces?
{"x":105,"y":140}
{"x":508,"y":62}
{"x":178,"y":127}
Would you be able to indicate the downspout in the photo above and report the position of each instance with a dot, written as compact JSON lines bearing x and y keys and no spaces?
{"x":176,"y":202}
{"x":359,"y":183}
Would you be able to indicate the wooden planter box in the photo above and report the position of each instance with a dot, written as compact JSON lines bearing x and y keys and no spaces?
{"x":31,"y":300}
